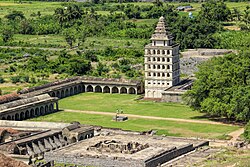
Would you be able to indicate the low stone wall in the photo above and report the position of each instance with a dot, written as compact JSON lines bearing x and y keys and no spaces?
{"x":155,"y":161}
{"x":34,"y":125}
{"x":93,"y":161}
{"x":172,"y":97}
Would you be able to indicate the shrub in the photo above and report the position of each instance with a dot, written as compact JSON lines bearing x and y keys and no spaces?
{"x":247,"y":132}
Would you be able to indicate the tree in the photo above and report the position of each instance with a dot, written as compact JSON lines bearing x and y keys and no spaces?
{"x":214,"y":10}
{"x":247,"y":132}
{"x":7,"y":34}
{"x":70,"y":36}
{"x":222,"y":87}
{"x":15,"y":15}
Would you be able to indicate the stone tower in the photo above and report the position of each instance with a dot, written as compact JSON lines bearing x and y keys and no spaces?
{"x":162,"y":65}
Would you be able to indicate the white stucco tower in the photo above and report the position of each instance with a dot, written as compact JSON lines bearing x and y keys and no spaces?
{"x":162,"y":65}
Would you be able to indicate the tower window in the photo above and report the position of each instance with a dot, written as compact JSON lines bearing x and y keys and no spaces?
{"x":163,"y":59}
{"x":158,"y":52}
{"x":168,"y":52}
{"x":163,"y":51}
{"x":149,"y":66}
{"x":153,"y":51}
{"x":158,"y":74}
{"x":168,"y":59}
{"x":163,"y":74}
{"x":154,"y":74}
{"x":149,"y":74}
{"x":149,"y":59}
{"x":154,"y":59}
{"x":163,"y":67}
{"x":158,"y":59}
{"x":158,"y":67}
{"x":154,"y":67}
{"x":168,"y":67}
{"x":168,"y":75}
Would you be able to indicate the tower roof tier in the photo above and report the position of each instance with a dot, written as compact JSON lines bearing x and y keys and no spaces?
{"x":161,"y":32}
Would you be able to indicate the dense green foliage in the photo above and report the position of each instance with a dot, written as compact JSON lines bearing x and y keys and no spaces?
{"x":247,"y":132}
{"x":222,"y":87}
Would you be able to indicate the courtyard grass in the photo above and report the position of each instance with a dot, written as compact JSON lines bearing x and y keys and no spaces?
{"x":129,"y":104}
{"x":169,"y":128}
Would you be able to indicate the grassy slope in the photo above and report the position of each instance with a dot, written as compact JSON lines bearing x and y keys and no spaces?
{"x":129,"y":105}
{"x":171,"y":128}
{"x":45,"y":8}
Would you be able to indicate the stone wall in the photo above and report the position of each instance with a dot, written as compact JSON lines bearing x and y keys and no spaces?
{"x":168,"y":155}
{"x":93,"y":161}
{"x":32,"y":125}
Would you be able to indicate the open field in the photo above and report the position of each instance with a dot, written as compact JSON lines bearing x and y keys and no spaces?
{"x":129,"y":105}
{"x":28,"y":8}
{"x":171,"y":128}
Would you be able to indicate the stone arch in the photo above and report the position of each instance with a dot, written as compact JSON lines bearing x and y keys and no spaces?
{"x":8,"y":117}
{"x":131,"y":90}
{"x":3,"y":118}
{"x":75,"y":90}
{"x":123,"y":90}
{"x":115,"y":90}
{"x":65,"y":138}
{"x":27,"y":114}
{"x":22,"y":116}
{"x":46,"y":109}
{"x":53,"y":94}
{"x":66,"y":92}
{"x":153,"y":94}
{"x":51,"y":107}
{"x":32,"y":113}
{"x":106,"y":89}
{"x":62,"y":94}
{"x":79,"y":88}
{"x":89,"y":88}
{"x":17,"y":118}
{"x":81,"y":138}
{"x":83,"y":89}
{"x":58,"y":94}
{"x":37,"y":112}
{"x":98,"y":88}
{"x":73,"y":140}
{"x":42,"y":110}
{"x":71,"y":91}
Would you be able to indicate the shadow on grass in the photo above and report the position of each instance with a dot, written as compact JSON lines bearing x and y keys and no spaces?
{"x":219,"y":119}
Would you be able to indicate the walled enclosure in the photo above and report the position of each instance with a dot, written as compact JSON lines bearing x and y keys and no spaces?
{"x":124,"y":150}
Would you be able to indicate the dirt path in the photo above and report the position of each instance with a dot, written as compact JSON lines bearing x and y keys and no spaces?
{"x":150,"y":117}
{"x":236,"y":134}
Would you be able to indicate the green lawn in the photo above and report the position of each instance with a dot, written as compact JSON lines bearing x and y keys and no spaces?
{"x":171,"y":128}
{"x":129,"y":105}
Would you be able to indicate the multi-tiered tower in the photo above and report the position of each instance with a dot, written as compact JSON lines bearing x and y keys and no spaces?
{"x":162,"y":66}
